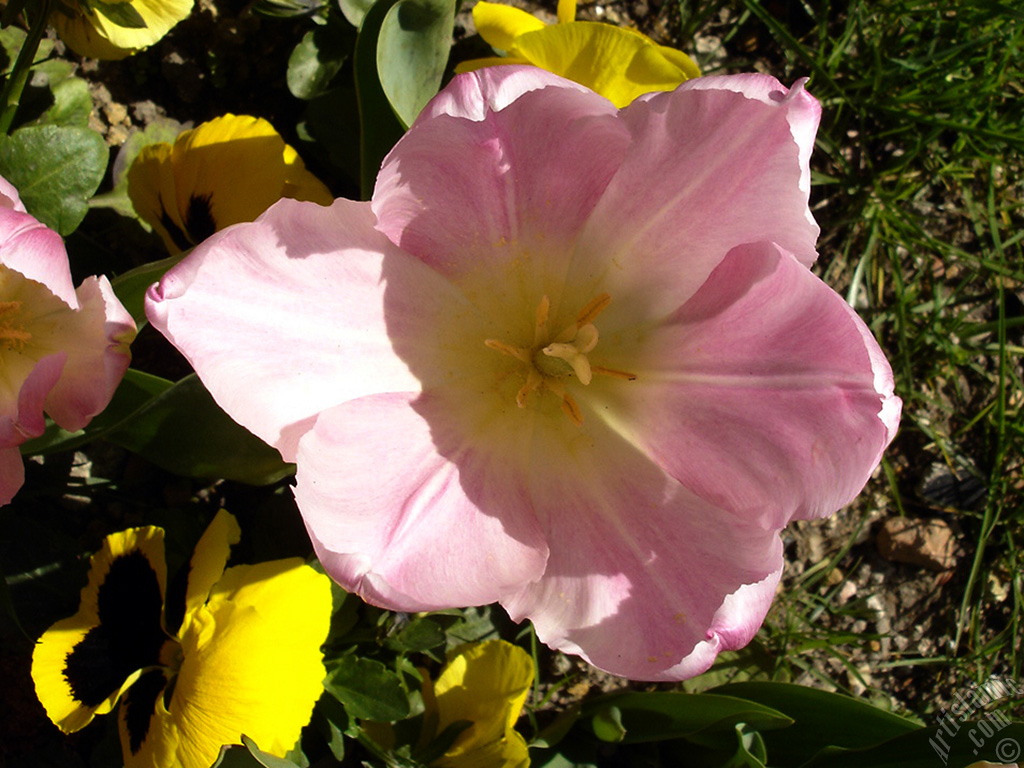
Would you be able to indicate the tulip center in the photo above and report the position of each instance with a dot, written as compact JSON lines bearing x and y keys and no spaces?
{"x":12,"y":334}
{"x":552,"y":359}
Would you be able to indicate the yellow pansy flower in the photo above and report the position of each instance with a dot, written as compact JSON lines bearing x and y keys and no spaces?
{"x":113,"y":30}
{"x":485,"y":684}
{"x":245,"y":659}
{"x":225,"y":171}
{"x":620,"y":64}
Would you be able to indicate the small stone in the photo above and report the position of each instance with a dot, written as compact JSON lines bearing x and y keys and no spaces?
{"x":929,"y":544}
{"x":847,"y":592}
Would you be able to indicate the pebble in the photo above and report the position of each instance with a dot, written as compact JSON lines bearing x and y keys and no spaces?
{"x":928,"y":544}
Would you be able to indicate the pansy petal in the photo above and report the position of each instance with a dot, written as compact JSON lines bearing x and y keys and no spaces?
{"x":275,"y":360}
{"x":485,"y":684}
{"x":97,"y":338}
{"x":148,"y":738}
{"x":151,"y":189}
{"x":641,"y":570}
{"x":737,"y":175}
{"x":209,"y":559}
{"x":418,"y":531}
{"x":500,"y":24}
{"x":83,"y":663}
{"x":498,"y":199}
{"x":764,"y":393}
{"x":620,"y":64}
{"x":251,"y":665}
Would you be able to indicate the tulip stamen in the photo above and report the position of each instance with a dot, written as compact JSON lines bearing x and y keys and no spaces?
{"x":12,"y":336}
{"x":551,"y":360}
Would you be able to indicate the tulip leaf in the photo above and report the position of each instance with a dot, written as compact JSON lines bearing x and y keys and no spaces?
{"x":184,"y":431}
{"x":355,"y":10}
{"x":823,"y":718}
{"x":415,"y":40}
{"x":135,"y":390}
{"x":379,"y":126}
{"x":703,"y":718}
{"x":368,"y":689}
{"x":55,"y":169}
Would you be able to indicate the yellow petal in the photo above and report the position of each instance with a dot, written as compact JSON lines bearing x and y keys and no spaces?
{"x":209,"y":559}
{"x":491,"y":61}
{"x":500,"y":24}
{"x":82,"y":664}
{"x":487,"y":684}
{"x":94,"y":34}
{"x":252,"y":665}
{"x":223,"y":172}
{"x":566,"y":11}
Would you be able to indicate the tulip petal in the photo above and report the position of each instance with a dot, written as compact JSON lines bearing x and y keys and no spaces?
{"x":408,"y":524}
{"x":494,"y":202}
{"x":289,"y":341}
{"x":738,"y":172}
{"x":36,"y":252}
{"x":97,"y":338}
{"x":644,"y":579}
{"x":764,"y":393}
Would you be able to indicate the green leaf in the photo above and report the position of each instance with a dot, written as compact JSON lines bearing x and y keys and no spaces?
{"x":131,"y":286}
{"x":13,"y":38}
{"x":418,"y":636}
{"x":821,"y":719}
{"x":163,"y":129}
{"x":607,"y":724}
{"x":135,"y":390}
{"x":55,"y":169}
{"x":415,"y":40}
{"x":701,"y":717}
{"x":317,"y":58}
{"x":248,"y":755}
{"x":331,"y":720}
{"x":184,"y":431}
{"x":379,"y":126}
{"x":121,"y":14}
{"x":368,"y":689}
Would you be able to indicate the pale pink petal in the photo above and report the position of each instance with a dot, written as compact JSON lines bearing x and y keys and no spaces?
{"x":495,"y":200}
{"x":96,"y":338}
{"x":411,"y":515}
{"x":9,"y":197}
{"x":644,"y":579}
{"x":765,"y":393}
{"x":37,"y":252}
{"x":12,"y":474}
{"x":21,"y":417}
{"x":713,"y":164}
{"x":285,"y":317}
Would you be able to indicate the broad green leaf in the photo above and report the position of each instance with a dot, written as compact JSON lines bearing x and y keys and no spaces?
{"x":131,"y":286}
{"x":56,"y":169}
{"x":184,"y":431}
{"x":331,"y":720}
{"x":415,"y":40}
{"x":355,"y":10}
{"x":13,"y":38}
{"x":821,"y":719}
{"x":701,"y":717}
{"x":318,"y":57}
{"x":419,"y":635}
{"x":379,"y":126}
{"x":122,"y":14}
{"x":989,"y":738}
{"x":135,"y":390}
{"x":368,"y":689}
{"x":72,"y":102}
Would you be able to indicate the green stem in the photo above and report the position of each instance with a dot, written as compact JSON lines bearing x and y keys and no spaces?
{"x":10,"y":98}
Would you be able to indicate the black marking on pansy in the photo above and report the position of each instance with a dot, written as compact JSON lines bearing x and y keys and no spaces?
{"x":199,"y":218}
{"x":139,"y":705}
{"x":179,"y":238}
{"x":129,"y":635}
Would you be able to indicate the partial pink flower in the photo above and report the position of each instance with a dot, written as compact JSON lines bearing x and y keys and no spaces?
{"x":568,"y":358}
{"x":62,"y":351}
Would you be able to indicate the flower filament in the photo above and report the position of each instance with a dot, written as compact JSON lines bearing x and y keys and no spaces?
{"x":12,"y":335}
{"x":551,"y":359}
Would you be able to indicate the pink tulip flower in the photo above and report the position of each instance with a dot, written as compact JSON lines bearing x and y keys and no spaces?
{"x":61,"y":351}
{"x":569,"y":358}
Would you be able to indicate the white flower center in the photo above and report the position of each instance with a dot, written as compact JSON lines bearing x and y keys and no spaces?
{"x":552,"y":359}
